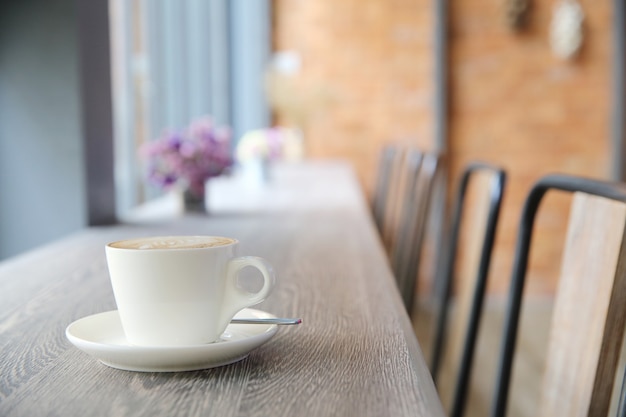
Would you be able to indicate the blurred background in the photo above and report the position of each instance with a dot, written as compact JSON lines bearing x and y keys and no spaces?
{"x":84,"y":84}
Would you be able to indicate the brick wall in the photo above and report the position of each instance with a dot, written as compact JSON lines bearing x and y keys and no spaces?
{"x":514,"y":103}
{"x":511,"y":101}
{"x":371,"y":60}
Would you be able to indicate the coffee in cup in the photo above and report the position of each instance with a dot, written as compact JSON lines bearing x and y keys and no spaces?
{"x":180,"y":290}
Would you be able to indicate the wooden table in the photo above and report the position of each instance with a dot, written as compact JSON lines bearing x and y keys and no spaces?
{"x":354,"y":355}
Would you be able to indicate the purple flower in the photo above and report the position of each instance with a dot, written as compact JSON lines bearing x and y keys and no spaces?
{"x":190,"y":157}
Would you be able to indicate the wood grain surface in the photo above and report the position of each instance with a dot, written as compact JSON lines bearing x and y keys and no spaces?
{"x":589,"y":311}
{"x":354,"y":355}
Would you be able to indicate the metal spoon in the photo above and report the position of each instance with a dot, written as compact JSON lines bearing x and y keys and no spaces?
{"x":267,"y":321}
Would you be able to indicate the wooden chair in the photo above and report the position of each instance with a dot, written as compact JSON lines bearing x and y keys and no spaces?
{"x":420,"y":175}
{"x":410,"y":170}
{"x":485,"y":185}
{"x":590,"y":304}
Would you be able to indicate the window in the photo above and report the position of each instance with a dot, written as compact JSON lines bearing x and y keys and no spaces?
{"x":175,"y":61}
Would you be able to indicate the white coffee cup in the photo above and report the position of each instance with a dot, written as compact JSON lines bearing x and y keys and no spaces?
{"x":180,"y":290}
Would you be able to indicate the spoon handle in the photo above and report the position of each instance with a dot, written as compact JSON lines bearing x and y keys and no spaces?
{"x":267,"y":321}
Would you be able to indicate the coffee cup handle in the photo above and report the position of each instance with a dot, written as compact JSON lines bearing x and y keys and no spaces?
{"x":235,"y":297}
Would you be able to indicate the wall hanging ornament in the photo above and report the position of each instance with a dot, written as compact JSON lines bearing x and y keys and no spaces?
{"x":566,"y":29}
{"x":516,"y":12}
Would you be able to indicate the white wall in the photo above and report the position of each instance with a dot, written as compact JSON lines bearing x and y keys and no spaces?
{"x":41,"y":155}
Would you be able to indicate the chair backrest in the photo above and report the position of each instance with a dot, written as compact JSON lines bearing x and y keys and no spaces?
{"x":421,"y":172}
{"x":412,"y":164}
{"x":590,"y":305}
{"x":476,"y":208}
{"x":388,"y":157}
{"x":401,"y":172}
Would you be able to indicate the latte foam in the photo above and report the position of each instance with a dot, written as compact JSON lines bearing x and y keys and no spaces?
{"x":173,"y":242}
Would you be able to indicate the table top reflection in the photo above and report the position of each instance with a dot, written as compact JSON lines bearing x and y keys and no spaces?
{"x":354,"y":354}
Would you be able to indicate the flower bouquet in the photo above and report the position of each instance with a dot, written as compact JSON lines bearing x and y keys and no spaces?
{"x":187,"y":159}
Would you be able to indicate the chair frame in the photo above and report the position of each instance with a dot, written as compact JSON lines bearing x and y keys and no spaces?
{"x":609,"y":190}
{"x":446,"y":275}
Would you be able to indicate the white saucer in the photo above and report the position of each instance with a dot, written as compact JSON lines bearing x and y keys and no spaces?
{"x":102,"y":337}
